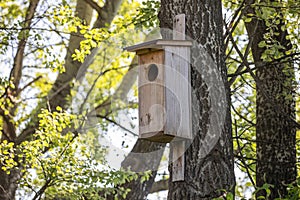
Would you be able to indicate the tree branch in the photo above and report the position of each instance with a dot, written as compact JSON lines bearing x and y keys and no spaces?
{"x":160,"y":186}
{"x":30,"y":83}
{"x":123,"y":89}
{"x":107,"y":13}
{"x":243,"y":57}
{"x":16,"y":72}
{"x":242,"y":158}
{"x":117,"y":124}
{"x":94,"y":5}
{"x":232,"y":27}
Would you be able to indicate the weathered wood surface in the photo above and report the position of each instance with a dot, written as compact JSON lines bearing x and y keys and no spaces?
{"x":178,"y":93}
{"x":155,"y":45}
{"x":151,"y":95}
{"x":179,"y":85}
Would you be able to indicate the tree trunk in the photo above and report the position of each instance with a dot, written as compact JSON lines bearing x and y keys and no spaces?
{"x":209,"y":158}
{"x":275,"y":113}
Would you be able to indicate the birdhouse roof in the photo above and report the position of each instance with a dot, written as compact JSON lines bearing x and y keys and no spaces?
{"x":155,"y":45}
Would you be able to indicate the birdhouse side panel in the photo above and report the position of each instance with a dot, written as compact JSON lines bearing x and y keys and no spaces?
{"x":178,"y":92}
{"x":151,"y":94}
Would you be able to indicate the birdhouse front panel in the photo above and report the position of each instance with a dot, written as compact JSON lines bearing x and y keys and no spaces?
{"x":151,"y":95}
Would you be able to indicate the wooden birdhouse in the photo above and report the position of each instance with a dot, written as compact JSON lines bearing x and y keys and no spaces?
{"x":164,"y":89}
{"x":165,"y":93}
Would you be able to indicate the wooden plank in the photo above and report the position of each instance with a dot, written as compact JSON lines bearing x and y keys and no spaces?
{"x":151,"y":95}
{"x":178,"y":149}
{"x":179,"y":63}
{"x":179,"y":27}
{"x":157,"y":45}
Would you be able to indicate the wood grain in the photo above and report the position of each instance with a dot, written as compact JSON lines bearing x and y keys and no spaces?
{"x":151,"y":96}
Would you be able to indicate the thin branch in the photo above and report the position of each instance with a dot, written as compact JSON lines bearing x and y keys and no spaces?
{"x":242,"y":158}
{"x":42,"y":190}
{"x":241,"y":116}
{"x":236,"y":73}
{"x":6,"y":136}
{"x":243,"y":57}
{"x":276,"y":7}
{"x":241,"y":166}
{"x":40,"y":29}
{"x":247,"y":83}
{"x":94,"y":5}
{"x":228,"y":55}
{"x":235,"y":60}
{"x":43,"y":168}
{"x":273,"y":62}
{"x":115,"y":123}
{"x":30,"y":83}
{"x":249,"y":140}
{"x":243,"y":130}
{"x":94,"y":83}
{"x":106,"y":13}
{"x":228,"y":30}
{"x":277,"y":61}
{"x":123,"y":88}
{"x":245,"y":158}
{"x":30,"y":187}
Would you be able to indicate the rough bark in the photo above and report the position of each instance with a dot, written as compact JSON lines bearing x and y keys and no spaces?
{"x":275,"y":113}
{"x":208,"y":170}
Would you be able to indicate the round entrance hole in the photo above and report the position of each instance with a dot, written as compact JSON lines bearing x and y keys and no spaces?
{"x":152,"y":72}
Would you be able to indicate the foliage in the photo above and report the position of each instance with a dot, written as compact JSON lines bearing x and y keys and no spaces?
{"x":147,"y":16}
{"x":60,"y":164}
{"x":63,"y":156}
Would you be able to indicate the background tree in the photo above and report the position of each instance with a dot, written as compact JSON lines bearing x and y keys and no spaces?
{"x":264,"y":76}
{"x":275,"y":103}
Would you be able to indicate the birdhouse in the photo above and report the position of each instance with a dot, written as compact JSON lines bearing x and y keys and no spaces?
{"x":164,"y":91}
